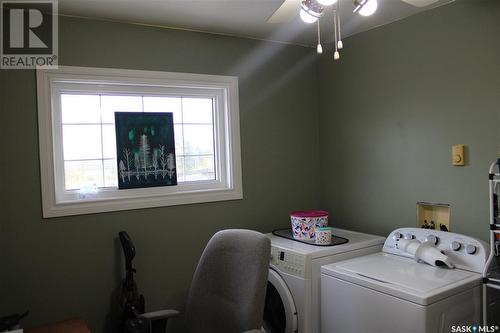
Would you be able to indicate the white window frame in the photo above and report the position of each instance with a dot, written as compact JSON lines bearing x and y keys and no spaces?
{"x":57,"y":201}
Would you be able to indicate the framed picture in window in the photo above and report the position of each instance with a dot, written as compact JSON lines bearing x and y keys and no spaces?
{"x":145,"y":149}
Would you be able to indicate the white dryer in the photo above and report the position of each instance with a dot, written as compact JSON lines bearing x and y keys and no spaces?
{"x":293,"y":292}
{"x":390,"y":291}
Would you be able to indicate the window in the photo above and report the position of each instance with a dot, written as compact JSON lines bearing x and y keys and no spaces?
{"x":89,"y":145}
{"x":78,"y":154}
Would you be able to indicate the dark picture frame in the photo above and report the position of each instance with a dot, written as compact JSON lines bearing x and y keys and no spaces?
{"x":145,"y":149}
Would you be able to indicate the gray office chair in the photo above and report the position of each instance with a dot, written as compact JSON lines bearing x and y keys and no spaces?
{"x":228,"y":290}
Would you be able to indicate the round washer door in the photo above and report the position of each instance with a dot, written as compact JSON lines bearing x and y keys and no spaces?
{"x":280,"y":314}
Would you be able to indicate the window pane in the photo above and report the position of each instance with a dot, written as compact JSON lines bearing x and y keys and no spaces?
{"x":179,"y":165}
{"x":80,"y":109}
{"x":197,"y":110}
{"x":199,"y":168}
{"x":112,"y":104}
{"x":198,"y":139}
{"x":108,"y":141}
{"x":178,"y":138}
{"x":82,"y":142}
{"x":164,"y":104}
{"x":81,"y":174}
{"x":110,"y":175}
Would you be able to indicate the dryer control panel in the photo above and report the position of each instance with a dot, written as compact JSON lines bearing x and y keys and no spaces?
{"x":465,"y":252}
{"x":288,"y":261}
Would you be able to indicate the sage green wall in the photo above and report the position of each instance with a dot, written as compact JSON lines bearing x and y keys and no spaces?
{"x":389,"y":112}
{"x":69,"y":266}
{"x":393,"y":106}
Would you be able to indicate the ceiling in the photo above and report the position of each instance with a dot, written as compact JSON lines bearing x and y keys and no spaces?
{"x":242,"y":18}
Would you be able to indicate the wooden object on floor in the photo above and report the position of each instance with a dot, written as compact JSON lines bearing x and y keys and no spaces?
{"x":74,"y":325}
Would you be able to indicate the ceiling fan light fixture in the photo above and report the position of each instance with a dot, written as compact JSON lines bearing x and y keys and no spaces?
{"x":327,"y":3}
{"x":306,"y":17}
{"x":365,"y":7}
{"x":310,"y":11}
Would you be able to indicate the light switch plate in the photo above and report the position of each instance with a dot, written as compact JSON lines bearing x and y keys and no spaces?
{"x":457,"y":155}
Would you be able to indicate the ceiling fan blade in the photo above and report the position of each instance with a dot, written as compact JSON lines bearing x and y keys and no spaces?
{"x":420,"y":3}
{"x":286,"y":12}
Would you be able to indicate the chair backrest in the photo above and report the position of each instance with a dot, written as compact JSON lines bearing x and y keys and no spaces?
{"x":228,"y":290}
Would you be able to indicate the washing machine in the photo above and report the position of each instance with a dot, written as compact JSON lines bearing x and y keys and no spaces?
{"x":293,"y":289}
{"x":391,"y":291}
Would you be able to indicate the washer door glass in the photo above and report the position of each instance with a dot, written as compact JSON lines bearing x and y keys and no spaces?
{"x":280,"y":315}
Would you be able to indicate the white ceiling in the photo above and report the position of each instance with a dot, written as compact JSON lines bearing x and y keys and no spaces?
{"x":243,"y":18}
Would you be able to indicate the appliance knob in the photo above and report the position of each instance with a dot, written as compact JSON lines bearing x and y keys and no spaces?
{"x":470,"y":249}
{"x":433,"y":239}
{"x":455,"y":246}
{"x":409,"y":236}
{"x":397,"y":236}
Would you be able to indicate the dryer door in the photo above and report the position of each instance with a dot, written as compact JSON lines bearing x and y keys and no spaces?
{"x":280,"y":314}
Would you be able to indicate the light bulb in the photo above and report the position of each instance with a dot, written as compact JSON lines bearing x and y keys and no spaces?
{"x":319,"y":49}
{"x":369,"y":8}
{"x":340,"y":45}
{"x":306,"y":17}
{"x":336,"y":55}
{"x":327,"y":2}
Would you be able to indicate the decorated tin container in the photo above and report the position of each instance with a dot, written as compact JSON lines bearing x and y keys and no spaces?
{"x":324,"y":235}
{"x":305,"y":222}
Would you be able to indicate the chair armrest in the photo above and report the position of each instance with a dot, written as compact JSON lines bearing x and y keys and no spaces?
{"x":156,"y":321}
{"x":158,"y":315}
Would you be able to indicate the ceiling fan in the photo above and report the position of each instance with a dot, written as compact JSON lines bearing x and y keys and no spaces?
{"x":312,"y":10}
{"x":290,"y":8}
